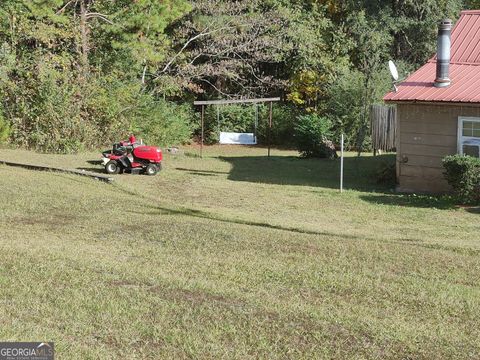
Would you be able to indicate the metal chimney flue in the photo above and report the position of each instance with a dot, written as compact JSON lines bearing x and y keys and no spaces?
{"x":443,"y":53}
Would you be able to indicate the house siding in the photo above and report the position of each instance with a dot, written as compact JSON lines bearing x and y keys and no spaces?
{"x":426,"y":134}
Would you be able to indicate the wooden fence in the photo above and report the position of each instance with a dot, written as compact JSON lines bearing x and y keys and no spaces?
{"x":384,"y":127}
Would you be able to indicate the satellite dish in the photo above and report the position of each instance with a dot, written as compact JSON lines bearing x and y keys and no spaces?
{"x":393,"y":70}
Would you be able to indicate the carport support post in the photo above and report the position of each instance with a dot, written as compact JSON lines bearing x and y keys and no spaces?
{"x":270,"y":127}
{"x":201,"y":144}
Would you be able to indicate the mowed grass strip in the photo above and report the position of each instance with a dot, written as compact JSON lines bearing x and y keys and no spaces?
{"x":183,"y":265}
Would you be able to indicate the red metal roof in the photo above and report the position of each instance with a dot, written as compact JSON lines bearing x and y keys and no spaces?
{"x":464,"y":69}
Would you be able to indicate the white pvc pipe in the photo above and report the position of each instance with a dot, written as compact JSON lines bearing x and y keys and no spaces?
{"x":341,"y":166}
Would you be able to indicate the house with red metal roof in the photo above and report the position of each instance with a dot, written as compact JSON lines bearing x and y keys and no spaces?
{"x":438,"y":107}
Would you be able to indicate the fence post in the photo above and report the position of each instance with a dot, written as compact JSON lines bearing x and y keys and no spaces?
{"x":341,"y":165}
{"x":201,"y":145}
{"x":270,"y":115}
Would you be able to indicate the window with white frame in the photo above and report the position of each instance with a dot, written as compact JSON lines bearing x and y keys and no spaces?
{"x":469,"y":136}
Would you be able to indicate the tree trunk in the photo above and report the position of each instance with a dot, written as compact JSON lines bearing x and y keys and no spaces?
{"x":365,"y":115}
{"x":84,"y":40}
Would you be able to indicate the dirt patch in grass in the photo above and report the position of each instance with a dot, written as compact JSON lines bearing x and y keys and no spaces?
{"x":127,"y":283}
{"x":302,"y":248}
{"x":193,"y":296}
{"x":196,"y":297}
{"x":56,"y":220}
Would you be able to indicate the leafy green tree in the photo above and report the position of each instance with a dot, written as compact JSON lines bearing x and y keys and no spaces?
{"x":77,"y":73}
{"x":472,"y":4}
{"x":65,"y":82}
{"x":345,"y":106}
{"x":137,"y":31}
{"x":412,"y":24}
{"x":225,"y":48}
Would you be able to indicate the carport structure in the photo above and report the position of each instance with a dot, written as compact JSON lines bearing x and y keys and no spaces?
{"x":204,"y":103}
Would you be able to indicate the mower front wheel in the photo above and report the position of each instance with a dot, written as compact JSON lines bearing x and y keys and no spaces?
{"x":112,"y":167}
{"x":151,"y":169}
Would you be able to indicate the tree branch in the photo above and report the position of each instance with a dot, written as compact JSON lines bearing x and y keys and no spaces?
{"x":64,"y":7}
{"x":189,"y":41}
{"x":99,"y":16}
{"x":220,"y":91}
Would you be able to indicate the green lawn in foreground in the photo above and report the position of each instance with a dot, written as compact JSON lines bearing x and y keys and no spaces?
{"x":235,"y":256}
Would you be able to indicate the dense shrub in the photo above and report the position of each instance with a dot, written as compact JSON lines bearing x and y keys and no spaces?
{"x":463,"y":174}
{"x":4,"y":129}
{"x":311,"y":137}
{"x":54,"y":111}
{"x":50,"y":110}
{"x":283,"y":125}
{"x":163,"y":123}
{"x":46,"y":115}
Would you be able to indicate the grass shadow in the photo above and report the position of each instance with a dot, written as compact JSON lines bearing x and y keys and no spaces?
{"x":150,"y":209}
{"x":160,"y":210}
{"x":411,"y":200}
{"x":202,"y":172}
{"x":359,"y":172}
{"x":156,"y":209}
{"x":473,"y":210}
{"x":94,"y":162}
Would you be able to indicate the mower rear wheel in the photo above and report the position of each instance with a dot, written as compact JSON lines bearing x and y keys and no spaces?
{"x":151,"y":169}
{"x":112,"y":167}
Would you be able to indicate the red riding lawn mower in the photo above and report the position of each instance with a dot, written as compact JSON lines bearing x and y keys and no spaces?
{"x":131,"y":156}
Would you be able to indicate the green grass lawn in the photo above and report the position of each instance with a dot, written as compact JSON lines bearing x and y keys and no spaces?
{"x":235,"y":256}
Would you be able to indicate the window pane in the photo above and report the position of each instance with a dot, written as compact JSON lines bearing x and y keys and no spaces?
{"x":467,"y":128}
{"x":476,"y":125}
{"x":471,"y":150}
{"x":476,"y":133}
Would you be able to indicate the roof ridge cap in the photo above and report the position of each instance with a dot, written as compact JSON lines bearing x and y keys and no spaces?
{"x":470,"y":12}
{"x":465,"y":63}
{"x":434,"y":61}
